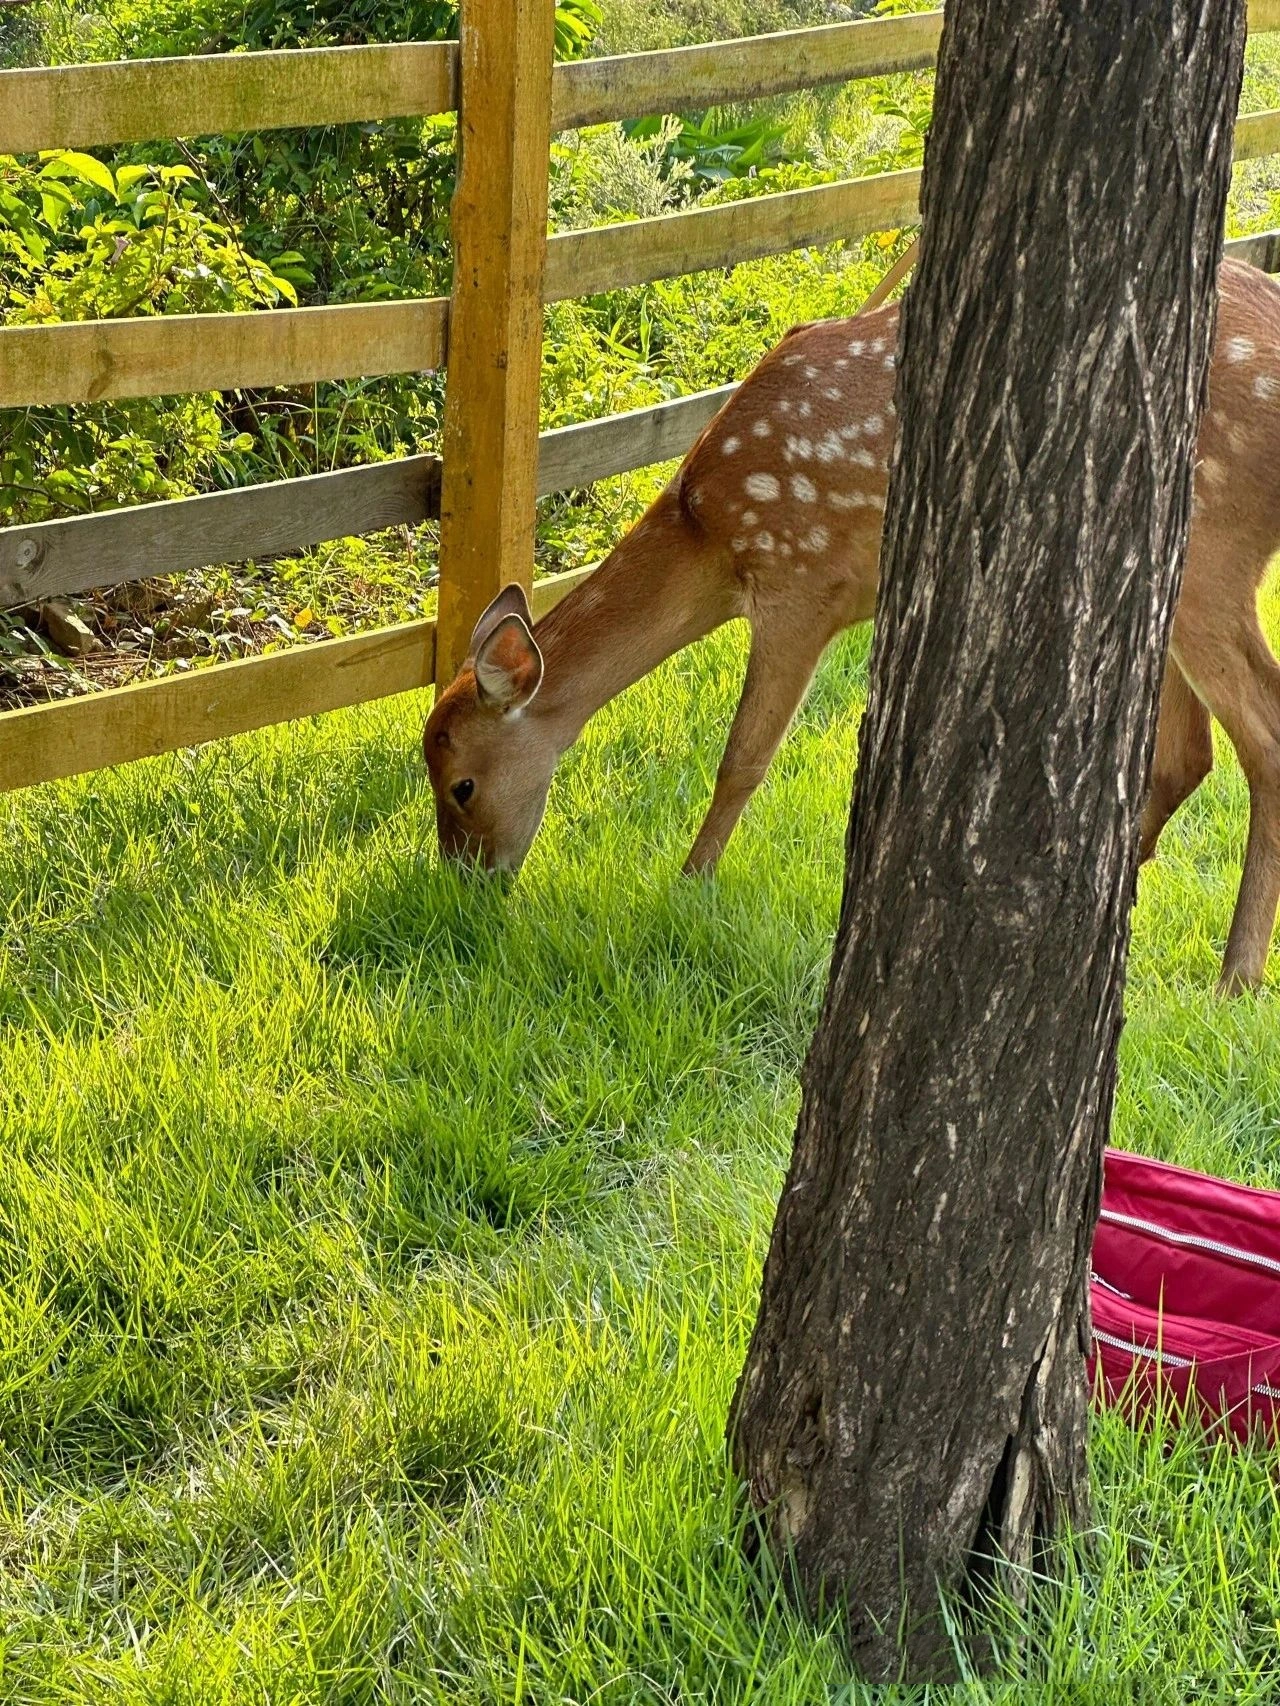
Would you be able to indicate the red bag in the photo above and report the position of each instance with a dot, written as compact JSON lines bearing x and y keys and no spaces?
{"x":1186,"y":1295}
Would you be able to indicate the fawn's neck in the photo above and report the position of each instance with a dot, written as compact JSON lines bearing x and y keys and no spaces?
{"x":662,"y":587}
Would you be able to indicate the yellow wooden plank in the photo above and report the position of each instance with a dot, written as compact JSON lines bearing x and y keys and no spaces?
{"x":685,"y":79}
{"x":488,"y":496}
{"x":86,"y":106}
{"x":581,"y":263}
{"x":100,"y":729}
{"x":72,"y":736}
{"x":682,"y":79}
{"x":95,"y":359}
{"x":1257,"y":134}
{"x":140,"y":100}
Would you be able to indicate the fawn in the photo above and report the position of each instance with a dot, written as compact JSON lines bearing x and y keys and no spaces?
{"x":775,"y":516}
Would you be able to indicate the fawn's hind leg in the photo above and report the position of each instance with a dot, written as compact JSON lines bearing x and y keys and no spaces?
{"x":779,"y":670}
{"x":1222,"y":652}
{"x":1183,"y":755}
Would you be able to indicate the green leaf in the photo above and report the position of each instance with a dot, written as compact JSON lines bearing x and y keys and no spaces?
{"x":128,"y":176}
{"x":69,"y":164}
{"x":55,"y":209}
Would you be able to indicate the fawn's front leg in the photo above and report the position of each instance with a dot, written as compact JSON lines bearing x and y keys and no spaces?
{"x":779,"y":670}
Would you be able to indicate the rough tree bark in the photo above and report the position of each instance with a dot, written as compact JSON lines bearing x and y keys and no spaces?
{"x":914,"y":1399}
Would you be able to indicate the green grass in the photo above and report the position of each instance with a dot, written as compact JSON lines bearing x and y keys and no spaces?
{"x":379,"y":1253}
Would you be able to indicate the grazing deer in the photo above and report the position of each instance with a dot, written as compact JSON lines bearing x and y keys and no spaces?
{"x":775,"y":516}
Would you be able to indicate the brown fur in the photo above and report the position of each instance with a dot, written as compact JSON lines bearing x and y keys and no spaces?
{"x":776,"y":516}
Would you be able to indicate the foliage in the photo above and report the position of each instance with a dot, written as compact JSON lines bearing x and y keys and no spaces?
{"x":83,"y":243}
{"x":143,"y":29}
{"x":715,"y":150}
{"x":80,"y":241}
{"x":913,"y":110}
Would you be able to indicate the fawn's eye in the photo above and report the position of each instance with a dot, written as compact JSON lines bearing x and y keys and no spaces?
{"x":462,"y":791}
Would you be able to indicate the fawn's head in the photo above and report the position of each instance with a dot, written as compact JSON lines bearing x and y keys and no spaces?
{"x":491,"y":766}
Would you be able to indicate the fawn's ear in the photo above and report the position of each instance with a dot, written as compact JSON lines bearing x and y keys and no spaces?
{"x":511,"y":601}
{"x":508,"y":665}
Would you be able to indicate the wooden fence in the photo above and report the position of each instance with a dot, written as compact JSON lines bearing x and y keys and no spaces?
{"x":510,"y":102}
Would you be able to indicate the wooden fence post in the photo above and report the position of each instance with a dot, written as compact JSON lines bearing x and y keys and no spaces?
{"x":495,"y":322}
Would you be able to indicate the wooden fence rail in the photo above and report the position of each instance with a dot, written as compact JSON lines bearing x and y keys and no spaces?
{"x":86,"y":106}
{"x":141,"y":100}
{"x":53,"y":559}
{"x":73,"y":736}
{"x":93,"y":360}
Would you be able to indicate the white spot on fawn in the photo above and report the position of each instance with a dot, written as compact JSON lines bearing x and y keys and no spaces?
{"x":803,"y":489}
{"x":856,"y":347}
{"x":804,"y":410}
{"x":812,"y":372}
{"x":1240,"y":349}
{"x":730,"y":446}
{"x":739,"y":545}
{"x":853,"y":430}
{"x":873,"y":425}
{"x":798,"y":449}
{"x":761,"y":428}
{"x":764,"y":488}
{"x":816,"y":539}
{"x":764,"y":542}
{"x":890,"y":362}
{"x":749,"y":518}
{"x":833,"y":392}
{"x":784,"y":406}
{"x":1214,"y":473}
{"x":1265,"y":387}
{"x":863,"y":458}
{"x":877,"y":346}
{"x":829,"y":449}
{"x":792,"y":360}
{"x":846,"y":500}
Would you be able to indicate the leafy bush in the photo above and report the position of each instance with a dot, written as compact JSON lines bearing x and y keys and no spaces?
{"x":79,"y":241}
{"x":714,"y":150}
{"x":84,"y":243}
{"x":146,"y":29}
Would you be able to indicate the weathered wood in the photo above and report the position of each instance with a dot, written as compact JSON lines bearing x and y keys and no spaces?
{"x":90,"y":361}
{"x":488,"y":497}
{"x":673,"y":80}
{"x":72,"y":736}
{"x":87,"y":106}
{"x":1261,"y":250}
{"x":576,"y":455}
{"x":913,"y":1412}
{"x":683,"y":79}
{"x":52,"y":558}
{"x":101,"y":729}
{"x":1257,"y":134}
{"x":58,"y":557}
{"x":581,"y":263}
{"x":140,"y":100}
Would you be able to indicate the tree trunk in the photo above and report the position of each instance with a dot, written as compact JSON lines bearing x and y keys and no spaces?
{"x":914,"y":1399}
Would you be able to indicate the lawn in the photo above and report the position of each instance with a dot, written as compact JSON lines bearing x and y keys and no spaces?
{"x":380,"y":1251}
